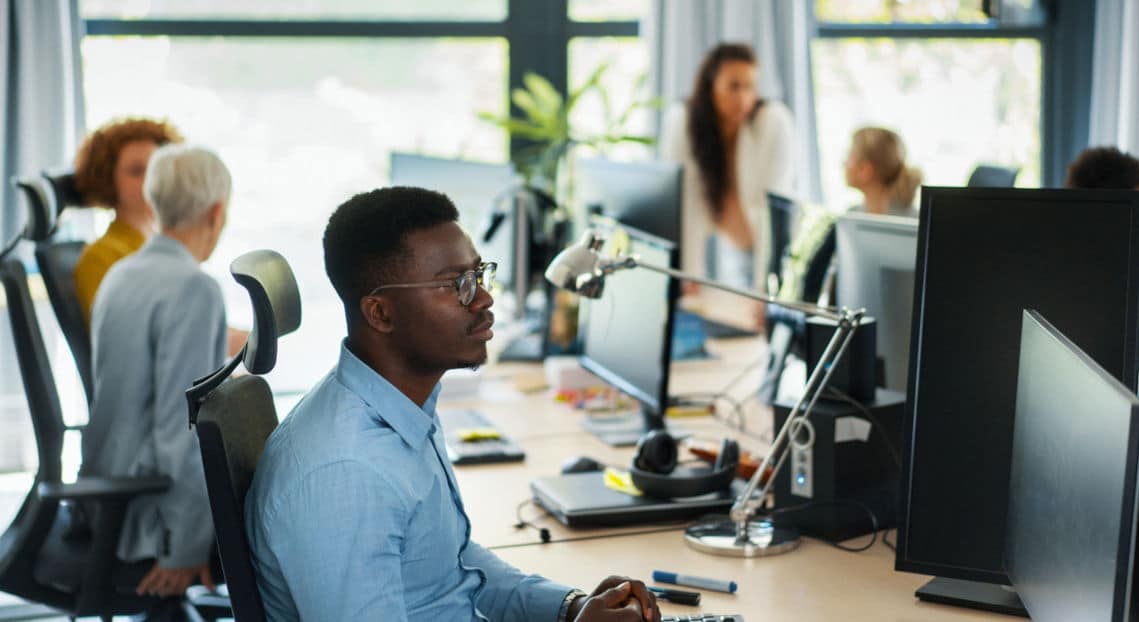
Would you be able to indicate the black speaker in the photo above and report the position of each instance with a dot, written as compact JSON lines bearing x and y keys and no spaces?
{"x":852,"y":467}
{"x":855,"y":374}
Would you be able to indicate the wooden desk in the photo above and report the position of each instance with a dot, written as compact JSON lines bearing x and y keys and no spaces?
{"x":815,"y":582}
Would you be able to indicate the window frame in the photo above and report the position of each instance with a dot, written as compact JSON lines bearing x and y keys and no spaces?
{"x":537,"y":34}
{"x":1066,"y":48}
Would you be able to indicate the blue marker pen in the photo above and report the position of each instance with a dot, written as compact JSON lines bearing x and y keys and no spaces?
{"x":661,"y":576}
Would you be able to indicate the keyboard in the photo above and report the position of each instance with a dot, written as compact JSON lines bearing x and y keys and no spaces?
{"x":472,"y":439}
{"x":703,"y":617}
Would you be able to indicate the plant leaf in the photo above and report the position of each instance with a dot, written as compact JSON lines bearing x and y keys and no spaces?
{"x":593,"y":81}
{"x":529,"y":105}
{"x":545,"y":95}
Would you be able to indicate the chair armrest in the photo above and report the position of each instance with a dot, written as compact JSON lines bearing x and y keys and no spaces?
{"x":211,"y":605}
{"x":104,"y":488}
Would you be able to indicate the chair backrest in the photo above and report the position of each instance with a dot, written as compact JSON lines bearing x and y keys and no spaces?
{"x":57,"y":262}
{"x":990,"y":176}
{"x":21,"y":542}
{"x":234,"y":418}
{"x":47,"y":196}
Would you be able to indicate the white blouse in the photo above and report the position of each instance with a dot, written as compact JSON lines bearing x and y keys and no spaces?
{"x":764,"y":163}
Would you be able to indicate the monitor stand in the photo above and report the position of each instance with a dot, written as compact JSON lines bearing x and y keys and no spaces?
{"x":972,"y":594}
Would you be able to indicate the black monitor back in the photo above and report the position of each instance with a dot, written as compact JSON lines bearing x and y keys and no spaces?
{"x":1071,"y":512}
{"x":643,"y":195}
{"x":984,"y":255}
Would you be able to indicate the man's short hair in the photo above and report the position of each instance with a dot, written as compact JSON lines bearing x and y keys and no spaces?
{"x":364,"y":240}
{"x":1104,"y":167}
{"x":183,"y":182}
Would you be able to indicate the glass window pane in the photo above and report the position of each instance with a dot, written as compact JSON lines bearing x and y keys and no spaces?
{"x":303,"y":124}
{"x":879,"y":11}
{"x":607,"y":10}
{"x":623,"y":83}
{"x":955,"y":103}
{"x":480,"y":10}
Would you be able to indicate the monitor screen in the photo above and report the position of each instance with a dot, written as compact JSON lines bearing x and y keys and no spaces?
{"x":628,"y":331}
{"x":475,"y":188}
{"x":876,"y":256}
{"x":985,"y":255}
{"x":1071,"y":506}
{"x":644,"y":195}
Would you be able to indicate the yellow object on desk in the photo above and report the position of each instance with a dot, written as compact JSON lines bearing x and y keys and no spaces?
{"x":473,"y":435}
{"x":621,"y":482}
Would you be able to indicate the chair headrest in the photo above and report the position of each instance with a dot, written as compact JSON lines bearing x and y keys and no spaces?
{"x":276,"y":305}
{"x":66,"y":193}
{"x":41,"y":203}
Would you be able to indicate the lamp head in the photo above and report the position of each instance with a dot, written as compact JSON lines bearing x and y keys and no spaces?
{"x":578,"y":268}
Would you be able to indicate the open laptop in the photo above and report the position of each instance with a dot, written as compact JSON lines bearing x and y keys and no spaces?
{"x":583,"y":500}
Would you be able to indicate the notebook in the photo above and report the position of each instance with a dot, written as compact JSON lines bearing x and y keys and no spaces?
{"x":467,"y":431}
{"x":582,"y":499}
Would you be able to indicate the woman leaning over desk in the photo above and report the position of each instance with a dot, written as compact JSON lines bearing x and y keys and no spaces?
{"x":735,"y":147}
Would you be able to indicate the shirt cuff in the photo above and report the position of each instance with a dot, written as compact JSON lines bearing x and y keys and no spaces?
{"x":572,"y":595}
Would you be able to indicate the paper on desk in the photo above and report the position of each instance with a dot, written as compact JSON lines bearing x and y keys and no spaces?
{"x":847,"y":429}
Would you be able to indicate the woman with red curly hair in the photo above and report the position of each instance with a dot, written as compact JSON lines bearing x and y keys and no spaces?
{"x":109,"y":170}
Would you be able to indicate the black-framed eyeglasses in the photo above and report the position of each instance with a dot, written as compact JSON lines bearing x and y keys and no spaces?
{"x":466,"y":284}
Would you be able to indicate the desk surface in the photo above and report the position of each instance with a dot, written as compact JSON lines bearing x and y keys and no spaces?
{"x":815,"y":582}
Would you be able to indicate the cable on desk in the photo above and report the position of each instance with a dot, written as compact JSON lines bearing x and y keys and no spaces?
{"x":838,"y":545}
{"x":543,"y":533}
{"x":890,"y":545}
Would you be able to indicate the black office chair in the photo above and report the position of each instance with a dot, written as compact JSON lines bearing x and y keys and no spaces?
{"x":52,"y":193}
{"x":38,"y":561}
{"x":234,"y":418}
{"x":991,"y":176}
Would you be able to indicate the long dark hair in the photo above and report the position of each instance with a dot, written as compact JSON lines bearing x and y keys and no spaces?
{"x":704,"y":127}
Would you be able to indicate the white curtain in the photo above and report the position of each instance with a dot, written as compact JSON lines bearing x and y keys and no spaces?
{"x":41,"y":87}
{"x":1115,"y":81}
{"x":682,"y":31}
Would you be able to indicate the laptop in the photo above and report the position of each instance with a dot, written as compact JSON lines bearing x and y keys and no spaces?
{"x":583,"y":500}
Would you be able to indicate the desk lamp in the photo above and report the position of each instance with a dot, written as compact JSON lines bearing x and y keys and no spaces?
{"x":581,"y":269}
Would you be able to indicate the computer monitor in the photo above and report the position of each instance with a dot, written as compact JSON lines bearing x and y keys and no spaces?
{"x":643,"y":195}
{"x":1070,"y":540}
{"x":876,"y":256}
{"x":984,"y":255}
{"x":627,"y":335}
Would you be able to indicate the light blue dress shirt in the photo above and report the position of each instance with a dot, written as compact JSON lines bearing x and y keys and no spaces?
{"x":354,"y":514}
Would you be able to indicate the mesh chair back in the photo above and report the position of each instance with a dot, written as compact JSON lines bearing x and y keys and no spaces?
{"x":57,"y":262}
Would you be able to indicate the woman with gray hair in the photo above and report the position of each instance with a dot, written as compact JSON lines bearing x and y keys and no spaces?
{"x":157,"y":324}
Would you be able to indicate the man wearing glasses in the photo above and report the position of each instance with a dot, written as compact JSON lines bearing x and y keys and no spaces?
{"x":354,"y":513}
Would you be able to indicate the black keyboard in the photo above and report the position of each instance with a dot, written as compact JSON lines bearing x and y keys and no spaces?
{"x":465,"y":432}
{"x":703,"y":617}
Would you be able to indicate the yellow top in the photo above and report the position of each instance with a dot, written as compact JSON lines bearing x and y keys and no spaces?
{"x":119,"y":241}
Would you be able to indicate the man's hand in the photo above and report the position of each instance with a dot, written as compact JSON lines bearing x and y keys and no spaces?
{"x":616,"y":599}
{"x":173,"y":581}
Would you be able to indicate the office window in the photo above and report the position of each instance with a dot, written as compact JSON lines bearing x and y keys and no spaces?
{"x":605,"y":10}
{"x":482,"y":10}
{"x":960,"y":88}
{"x":956,"y":103}
{"x":624,"y":82}
{"x":883,"y":11}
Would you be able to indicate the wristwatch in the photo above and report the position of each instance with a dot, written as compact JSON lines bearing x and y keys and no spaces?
{"x":563,"y":613}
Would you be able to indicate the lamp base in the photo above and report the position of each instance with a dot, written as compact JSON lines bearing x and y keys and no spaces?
{"x":718,"y":537}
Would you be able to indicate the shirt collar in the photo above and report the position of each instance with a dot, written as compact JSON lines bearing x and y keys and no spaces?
{"x":390,"y":406}
{"x":169,"y":246}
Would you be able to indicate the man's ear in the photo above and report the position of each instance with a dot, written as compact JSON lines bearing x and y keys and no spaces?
{"x":216,"y":215}
{"x":377,"y":312}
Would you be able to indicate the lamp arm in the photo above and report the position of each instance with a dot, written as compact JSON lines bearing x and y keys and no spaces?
{"x":633,"y":261}
{"x":746,"y":504}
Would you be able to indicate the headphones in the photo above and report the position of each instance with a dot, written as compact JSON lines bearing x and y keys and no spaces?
{"x":654,"y":470}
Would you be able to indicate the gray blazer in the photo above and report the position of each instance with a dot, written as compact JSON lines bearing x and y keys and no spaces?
{"x":158,"y":323}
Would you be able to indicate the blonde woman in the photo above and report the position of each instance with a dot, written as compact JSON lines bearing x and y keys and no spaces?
{"x":877,"y":167}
